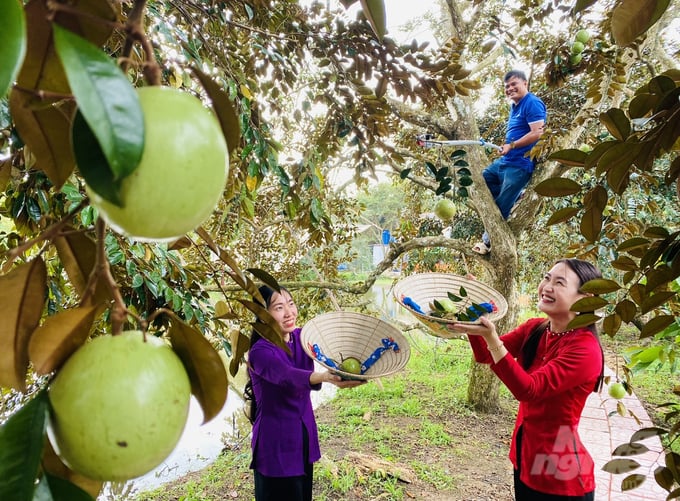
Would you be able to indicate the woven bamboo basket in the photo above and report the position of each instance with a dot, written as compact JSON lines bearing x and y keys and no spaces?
{"x":343,"y":334}
{"x":423,"y":288}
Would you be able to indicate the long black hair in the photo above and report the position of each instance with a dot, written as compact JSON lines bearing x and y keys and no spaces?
{"x":585,"y":272}
{"x":248,"y":394}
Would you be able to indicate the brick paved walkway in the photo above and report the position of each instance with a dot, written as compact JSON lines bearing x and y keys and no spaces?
{"x":602,"y":430}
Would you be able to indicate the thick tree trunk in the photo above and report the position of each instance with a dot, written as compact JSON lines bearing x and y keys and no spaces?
{"x":483,"y":388}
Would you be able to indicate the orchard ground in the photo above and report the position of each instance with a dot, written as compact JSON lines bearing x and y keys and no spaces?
{"x":414,"y":438}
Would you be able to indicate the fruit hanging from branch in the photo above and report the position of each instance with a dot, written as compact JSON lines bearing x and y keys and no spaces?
{"x":181,"y":175}
{"x":119,"y":406}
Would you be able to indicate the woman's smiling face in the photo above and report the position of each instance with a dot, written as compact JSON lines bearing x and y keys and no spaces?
{"x":558,"y":290}
{"x":283,"y":309}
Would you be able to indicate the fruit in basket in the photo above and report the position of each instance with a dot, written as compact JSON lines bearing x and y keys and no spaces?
{"x":444,"y":305}
{"x":351,"y":365}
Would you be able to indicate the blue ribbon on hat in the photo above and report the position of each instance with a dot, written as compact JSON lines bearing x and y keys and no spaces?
{"x":387,"y":344}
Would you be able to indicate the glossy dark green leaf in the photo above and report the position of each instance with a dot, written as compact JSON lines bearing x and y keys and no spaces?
{"x":92,"y":162}
{"x":12,"y":42}
{"x":599,"y":150}
{"x":51,"y":488}
{"x":22,"y":438}
{"x":557,"y":187}
{"x":106,"y":99}
{"x":404,"y":173}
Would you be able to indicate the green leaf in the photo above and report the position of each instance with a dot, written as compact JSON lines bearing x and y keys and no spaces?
{"x":208,"y":376}
{"x":572,"y":157}
{"x":630,"y":449}
{"x":620,"y":465}
{"x":12,"y":42}
{"x":600,"y":286}
{"x":562,"y":215}
{"x":224,"y":109}
{"x":633,"y":243}
{"x":51,"y":488}
{"x":656,"y":325}
{"x":557,"y":187}
{"x":617,"y":123}
{"x":632,"y":18}
{"x":582,"y":5}
{"x":627,"y":310}
{"x":583,"y":320}
{"x":22,"y":438}
{"x":591,"y":223}
{"x":265,"y":277}
{"x":374,"y":10}
{"x":644,"y":433}
{"x":632,"y":482}
{"x":106,"y":99}
{"x":92,"y":162}
{"x":590,"y":303}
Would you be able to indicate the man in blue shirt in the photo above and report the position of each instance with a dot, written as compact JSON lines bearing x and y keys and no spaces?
{"x":508,"y":175}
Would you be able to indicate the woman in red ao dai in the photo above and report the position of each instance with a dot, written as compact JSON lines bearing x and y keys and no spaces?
{"x":551,"y":371}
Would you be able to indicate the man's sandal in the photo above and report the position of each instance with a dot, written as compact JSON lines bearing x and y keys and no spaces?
{"x":481,"y":248}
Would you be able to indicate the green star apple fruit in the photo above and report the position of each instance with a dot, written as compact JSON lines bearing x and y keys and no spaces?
{"x":118,"y":406}
{"x":182,"y":172}
{"x":445,"y":209}
{"x":577,"y":47}
{"x":446,"y":305}
{"x":582,"y":36}
{"x":575,"y":59}
{"x":351,"y":365}
{"x":617,"y":391}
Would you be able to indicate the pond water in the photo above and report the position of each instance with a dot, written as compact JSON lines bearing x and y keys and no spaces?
{"x":200,"y":444}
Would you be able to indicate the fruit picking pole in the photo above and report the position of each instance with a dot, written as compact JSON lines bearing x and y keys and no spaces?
{"x":429,"y":143}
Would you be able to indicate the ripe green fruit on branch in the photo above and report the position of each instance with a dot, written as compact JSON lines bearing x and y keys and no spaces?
{"x":575,"y":59}
{"x":119,"y":406}
{"x":582,"y":36}
{"x":351,"y":365}
{"x":617,"y":391}
{"x":445,"y":209}
{"x":182,"y":172}
{"x":577,"y":47}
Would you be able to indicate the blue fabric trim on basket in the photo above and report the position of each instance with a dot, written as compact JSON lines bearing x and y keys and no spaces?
{"x":388,"y":344}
